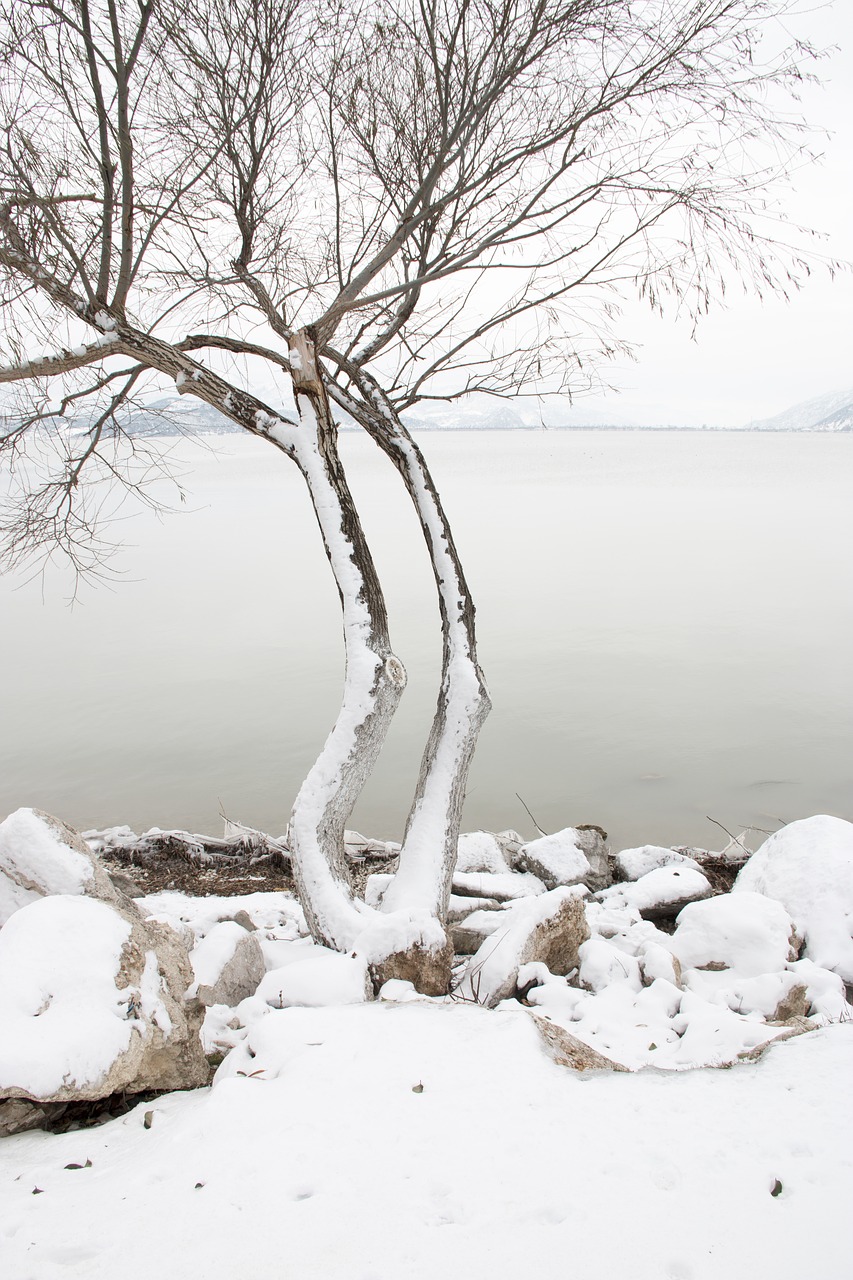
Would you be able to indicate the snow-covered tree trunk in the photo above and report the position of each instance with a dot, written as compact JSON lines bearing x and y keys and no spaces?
{"x":374,"y":679}
{"x":428,"y":856}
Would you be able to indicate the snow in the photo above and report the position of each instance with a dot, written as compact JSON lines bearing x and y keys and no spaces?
{"x":808,"y":867}
{"x":212,"y":954}
{"x":559,"y":855}
{"x":480,"y":851}
{"x":631,"y":864}
{"x":504,"y":887}
{"x":62,"y":1018}
{"x":317,"y":1158}
{"x":34,"y":862}
{"x":745,"y":932}
{"x":658,"y":888}
{"x":322,"y":978}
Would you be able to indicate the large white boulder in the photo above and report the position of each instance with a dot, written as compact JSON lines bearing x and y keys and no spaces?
{"x":808,"y":868}
{"x":745,"y":932}
{"x":39,"y":855}
{"x":92,"y":1003}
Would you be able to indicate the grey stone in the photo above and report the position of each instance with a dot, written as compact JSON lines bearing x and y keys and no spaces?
{"x":239,"y":977}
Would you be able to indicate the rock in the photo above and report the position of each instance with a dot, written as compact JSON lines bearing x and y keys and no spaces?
{"x":808,"y":868}
{"x":549,"y":928}
{"x":470,"y":934}
{"x":427,"y":968}
{"x":228,"y":965}
{"x":660,"y":894}
{"x":567,"y":1051}
{"x":244,"y":920}
{"x":17,"y":1115}
{"x":92,"y":1003}
{"x":323,"y":978}
{"x":603,"y":965}
{"x":375,"y":887}
{"x":593,"y":842}
{"x":632,"y":864}
{"x":503,"y":888}
{"x":745,"y":932}
{"x":40,"y":855}
{"x":126,"y":884}
{"x":575,"y":855}
{"x":557,"y":860}
{"x":481,"y":851}
{"x":460,"y":907}
{"x":656,"y":962}
{"x":795,"y":1004}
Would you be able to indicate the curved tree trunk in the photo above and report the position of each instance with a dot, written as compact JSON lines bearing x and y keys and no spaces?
{"x":374,"y":679}
{"x":428,"y":856}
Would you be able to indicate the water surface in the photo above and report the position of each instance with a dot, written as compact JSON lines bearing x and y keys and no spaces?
{"x":666,"y":623}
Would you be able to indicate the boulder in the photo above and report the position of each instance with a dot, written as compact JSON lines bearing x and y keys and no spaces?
{"x":40,"y":855}
{"x":480,"y":851}
{"x":228,"y":965}
{"x":504,"y":887}
{"x":632,"y":864}
{"x":808,"y":868}
{"x":469,"y":934}
{"x":660,"y":894}
{"x":92,"y":1002}
{"x":745,"y":932}
{"x":557,"y":860}
{"x":460,"y":907}
{"x":549,"y":929}
{"x":575,"y":855}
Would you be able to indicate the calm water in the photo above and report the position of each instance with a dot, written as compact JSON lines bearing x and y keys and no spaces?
{"x":666,"y":623}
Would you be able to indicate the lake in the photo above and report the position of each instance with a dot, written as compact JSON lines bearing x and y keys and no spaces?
{"x":665,"y":618}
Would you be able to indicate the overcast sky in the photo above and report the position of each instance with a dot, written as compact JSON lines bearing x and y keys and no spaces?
{"x":756,"y":359}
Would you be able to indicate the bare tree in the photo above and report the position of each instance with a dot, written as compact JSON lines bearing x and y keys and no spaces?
{"x":382,"y":203}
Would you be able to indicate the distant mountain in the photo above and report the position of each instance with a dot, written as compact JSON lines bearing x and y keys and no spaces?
{"x":832,"y":412}
{"x":178,"y":415}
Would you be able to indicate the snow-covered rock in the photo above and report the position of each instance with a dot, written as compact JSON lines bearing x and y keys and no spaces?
{"x":459,"y":907}
{"x":743,"y":931}
{"x":501,"y":887}
{"x":549,"y":928}
{"x":228,"y":965}
{"x":557,"y":860}
{"x":632,"y":864}
{"x":480,"y":851}
{"x":808,"y":868}
{"x":470,"y":934}
{"x":92,"y":1003}
{"x":661,"y":893}
{"x":602,"y":965}
{"x":40,"y":855}
{"x":323,"y":978}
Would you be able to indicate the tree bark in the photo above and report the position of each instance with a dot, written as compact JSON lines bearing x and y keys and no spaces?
{"x":428,"y":856}
{"x":374,"y":679}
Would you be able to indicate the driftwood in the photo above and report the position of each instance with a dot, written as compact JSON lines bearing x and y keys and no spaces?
{"x":239,"y":846}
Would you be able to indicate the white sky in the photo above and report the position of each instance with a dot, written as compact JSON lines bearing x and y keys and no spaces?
{"x":755,"y":359}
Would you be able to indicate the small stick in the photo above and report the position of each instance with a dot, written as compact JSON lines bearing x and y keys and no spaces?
{"x":531,"y":817}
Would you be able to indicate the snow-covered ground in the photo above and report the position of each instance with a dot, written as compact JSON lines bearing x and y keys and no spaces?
{"x":352,"y":1138}
{"x":332,"y":1163}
